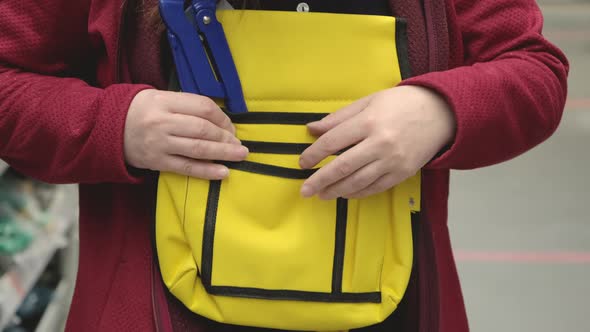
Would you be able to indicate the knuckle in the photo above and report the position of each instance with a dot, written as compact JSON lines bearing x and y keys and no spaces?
{"x":152,"y":121}
{"x":207,"y":106}
{"x":226,"y":137}
{"x":329,"y":144}
{"x":386,"y":141}
{"x":158,"y":97}
{"x":358,"y":182}
{"x":343,"y":168}
{"x":200,"y":128}
{"x":188,"y":168}
{"x":198,"y":148}
{"x":370,"y":122}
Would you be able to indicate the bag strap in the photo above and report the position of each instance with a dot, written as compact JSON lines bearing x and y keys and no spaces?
{"x":203,"y":59}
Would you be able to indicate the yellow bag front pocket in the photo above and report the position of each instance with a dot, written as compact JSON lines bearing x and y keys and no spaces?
{"x":262,"y":240}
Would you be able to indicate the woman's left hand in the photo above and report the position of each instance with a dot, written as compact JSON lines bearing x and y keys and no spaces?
{"x":393,"y":134}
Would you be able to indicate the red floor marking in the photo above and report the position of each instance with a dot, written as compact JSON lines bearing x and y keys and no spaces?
{"x":578,"y":103}
{"x":524,"y":257}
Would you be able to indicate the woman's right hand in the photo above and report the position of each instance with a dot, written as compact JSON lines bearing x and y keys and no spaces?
{"x":180,"y":133}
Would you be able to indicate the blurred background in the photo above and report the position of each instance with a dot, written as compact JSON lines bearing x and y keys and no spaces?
{"x":520,"y":230}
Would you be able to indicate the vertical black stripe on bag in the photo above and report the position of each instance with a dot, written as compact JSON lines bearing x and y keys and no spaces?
{"x":401,"y":42}
{"x":340,"y":244}
{"x":209,"y":232}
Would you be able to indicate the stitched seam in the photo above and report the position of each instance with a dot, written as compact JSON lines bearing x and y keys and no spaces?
{"x":110,"y":292}
{"x":185,"y":203}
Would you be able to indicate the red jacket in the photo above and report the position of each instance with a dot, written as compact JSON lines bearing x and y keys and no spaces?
{"x":506,"y":85}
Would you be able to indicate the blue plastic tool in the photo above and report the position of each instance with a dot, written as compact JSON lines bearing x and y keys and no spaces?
{"x":203,"y":59}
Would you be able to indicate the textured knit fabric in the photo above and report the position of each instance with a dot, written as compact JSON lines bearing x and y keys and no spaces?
{"x":63,"y":103}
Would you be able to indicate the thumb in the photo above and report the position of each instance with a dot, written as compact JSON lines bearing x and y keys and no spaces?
{"x":318,"y":128}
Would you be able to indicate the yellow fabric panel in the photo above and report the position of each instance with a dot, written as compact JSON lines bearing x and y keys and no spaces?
{"x":266,"y":236}
{"x":285,"y":225}
{"x":312,"y":48}
{"x":274,"y":133}
{"x":170,"y":215}
{"x":365,"y":246}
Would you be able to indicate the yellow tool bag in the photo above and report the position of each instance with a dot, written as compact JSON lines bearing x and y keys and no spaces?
{"x":250,"y":250}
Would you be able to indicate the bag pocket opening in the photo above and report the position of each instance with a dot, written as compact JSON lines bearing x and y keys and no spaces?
{"x":332,"y":274}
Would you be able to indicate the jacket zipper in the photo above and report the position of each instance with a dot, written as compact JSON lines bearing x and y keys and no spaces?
{"x":428,"y":276}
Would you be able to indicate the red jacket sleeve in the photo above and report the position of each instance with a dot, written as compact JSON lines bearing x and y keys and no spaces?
{"x":509,"y":94}
{"x":52,"y":127}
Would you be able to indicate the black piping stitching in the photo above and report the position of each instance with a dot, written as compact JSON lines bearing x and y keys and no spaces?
{"x":276,"y":148}
{"x":365,"y":7}
{"x":264,"y":169}
{"x":275,"y":118}
{"x":271,"y":294}
{"x":209,"y":231}
{"x":281,"y":148}
{"x":340,"y":245}
{"x":185,"y":203}
{"x":401,"y":42}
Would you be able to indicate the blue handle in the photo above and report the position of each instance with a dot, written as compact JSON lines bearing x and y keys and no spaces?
{"x":200,"y":46}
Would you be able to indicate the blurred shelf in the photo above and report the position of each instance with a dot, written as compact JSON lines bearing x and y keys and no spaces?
{"x":30,"y":264}
{"x":53,"y":318}
{"x":3,"y":167}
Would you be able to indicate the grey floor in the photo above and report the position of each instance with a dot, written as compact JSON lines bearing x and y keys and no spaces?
{"x":521,"y":229}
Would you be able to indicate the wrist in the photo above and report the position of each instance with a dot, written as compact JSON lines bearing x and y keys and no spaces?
{"x":438,"y":111}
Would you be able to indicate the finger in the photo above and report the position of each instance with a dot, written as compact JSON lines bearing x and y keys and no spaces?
{"x":194,"y":168}
{"x":382,"y":184}
{"x":358,"y":180}
{"x":193,"y":127}
{"x":342,"y":136}
{"x":318,"y":128}
{"x":206,"y":150}
{"x":339,"y":168}
{"x":199,"y":106}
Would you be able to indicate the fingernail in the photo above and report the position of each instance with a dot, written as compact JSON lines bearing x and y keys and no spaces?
{"x":223,"y":172}
{"x":317,"y":125}
{"x":302,"y":163}
{"x":244,"y":151}
{"x":306,"y":191}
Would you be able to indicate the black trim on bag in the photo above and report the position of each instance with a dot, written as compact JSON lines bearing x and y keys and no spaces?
{"x":209,"y":231}
{"x":401,"y":42}
{"x":264,"y":169}
{"x":355,"y":7}
{"x":285,"y":118}
{"x":338,"y":269}
{"x":272,"y":294}
{"x":281,"y":148}
{"x":341,"y":219}
{"x":276,"y":148}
